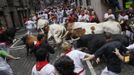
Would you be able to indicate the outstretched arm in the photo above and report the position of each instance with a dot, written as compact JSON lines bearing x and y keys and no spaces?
{"x":121,"y":57}
{"x":5,"y":54}
{"x":89,"y":57}
{"x":12,"y":57}
{"x":97,"y":54}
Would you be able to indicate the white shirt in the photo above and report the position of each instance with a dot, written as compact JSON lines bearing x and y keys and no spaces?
{"x":68,"y":12}
{"x":46,"y":70}
{"x":4,"y":67}
{"x":122,"y":17}
{"x":34,"y":18}
{"x":107,"y":16}
{"x":131,"y":47}
{"x":86,"y":17}
{"x":76,"y":56}
{"x":30,"y":24}
{"x":45,"y":16}
{"x":81,"y":18}
{"x":60,"y":14}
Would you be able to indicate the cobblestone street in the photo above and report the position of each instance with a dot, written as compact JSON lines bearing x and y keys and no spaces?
{"x":25,"y":64}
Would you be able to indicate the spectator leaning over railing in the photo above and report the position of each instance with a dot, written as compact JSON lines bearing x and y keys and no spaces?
{"x":42,"y":66}
{"x":5,"y":69}
{"x":109,"y":15}
{"x":130,"y":13}
{"x":81,"y":16}
{"x":93,"y":17}
{"x":86,"y":16}
{"x":122,"y":16}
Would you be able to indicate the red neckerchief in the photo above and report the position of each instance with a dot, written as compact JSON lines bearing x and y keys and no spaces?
{"x":68,"y":50}
{"x":40,"y":65}
{"x":38,"y":43}
{"x":80,"y":71}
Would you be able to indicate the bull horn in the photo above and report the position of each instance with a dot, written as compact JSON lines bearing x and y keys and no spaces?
{"x":60,"y":36}
{"x":42,"y":30}
{"x":65,"y":34}
{"x":75,"y":39}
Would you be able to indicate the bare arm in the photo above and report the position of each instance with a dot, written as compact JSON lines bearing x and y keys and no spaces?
{"x":12,"y":57}
{"x":5,"y":54}
{"x":89,"y":57}
{"x":121,"y":57}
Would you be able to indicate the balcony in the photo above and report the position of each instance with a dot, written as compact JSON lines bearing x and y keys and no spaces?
{"x":10,"y":3}
{"x":16,"y":3}
{"x":3,"y":3}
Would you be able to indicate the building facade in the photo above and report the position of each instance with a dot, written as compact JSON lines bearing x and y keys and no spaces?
{"x":14,"y":12}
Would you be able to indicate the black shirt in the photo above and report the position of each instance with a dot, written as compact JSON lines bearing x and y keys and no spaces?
{"x":113,"y":62}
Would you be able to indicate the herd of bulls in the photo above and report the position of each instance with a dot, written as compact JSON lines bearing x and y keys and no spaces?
{"x":94,"y":41}
{"x":91,"y":41}
{"x":57,"y":30}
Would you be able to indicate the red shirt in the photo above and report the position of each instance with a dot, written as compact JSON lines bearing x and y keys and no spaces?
{"x":71,"y":19}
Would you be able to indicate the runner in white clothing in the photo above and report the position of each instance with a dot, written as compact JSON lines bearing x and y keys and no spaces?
{"x":64,"y":66}
{"x":109,"y":15}
{"x":46,"y":70}
{"x":76,"y":56}
{"x":30,"y":25}
{"x":42,"y":66}
{"x":5,"y":68}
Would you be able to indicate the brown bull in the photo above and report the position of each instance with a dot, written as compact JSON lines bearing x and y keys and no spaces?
{"x":29,"y":41}
{"x":75,"y":33}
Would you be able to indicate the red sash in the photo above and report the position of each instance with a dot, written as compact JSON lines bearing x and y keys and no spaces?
{"x":38,"y":43}
{"x":80,"y":71}
{"x":40,"y":65}
{"x":68,"y":50}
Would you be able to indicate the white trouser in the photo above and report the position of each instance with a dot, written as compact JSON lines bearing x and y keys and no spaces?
{"x":29,"y":31}
{"x":106,"y":72}
{"x":61,"y":20}
{"x":64,"y":19}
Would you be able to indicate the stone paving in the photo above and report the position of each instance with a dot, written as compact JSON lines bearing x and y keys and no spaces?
{"x":25,"y":64}
{"x":126,"y":69}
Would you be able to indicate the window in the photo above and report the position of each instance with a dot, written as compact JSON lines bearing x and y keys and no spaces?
{"x":88,"y":2}
{"x":76,"y":2}
{"x":81,"y":3}
{"x":10,"y":3}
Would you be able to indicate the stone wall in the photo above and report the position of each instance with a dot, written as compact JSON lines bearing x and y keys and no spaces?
{"x":10,"y":8}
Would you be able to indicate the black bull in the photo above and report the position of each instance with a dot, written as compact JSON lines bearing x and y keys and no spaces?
{"x":94,"y":41}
